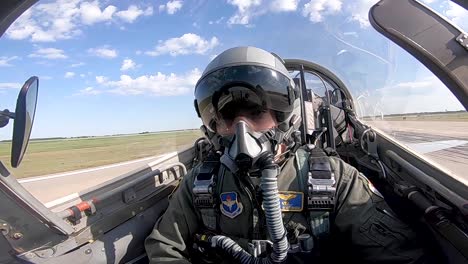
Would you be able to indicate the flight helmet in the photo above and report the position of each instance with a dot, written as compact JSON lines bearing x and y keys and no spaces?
{"x":247,"y":79}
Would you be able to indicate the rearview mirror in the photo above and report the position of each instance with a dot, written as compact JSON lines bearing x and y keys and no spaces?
{"x":24,"y":119}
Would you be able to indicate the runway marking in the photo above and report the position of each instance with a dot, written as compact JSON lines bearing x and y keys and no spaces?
{"x":61,"y":200}
{"x":75,"y":195}
{"x":428,"y":147}
{"x":59,"y":175}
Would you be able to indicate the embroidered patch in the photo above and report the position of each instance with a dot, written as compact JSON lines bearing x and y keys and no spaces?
{"x":230,"y":206}
{"x":291,"y":201}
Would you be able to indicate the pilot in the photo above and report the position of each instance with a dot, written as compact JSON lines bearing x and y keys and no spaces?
{"x":261,"y":197}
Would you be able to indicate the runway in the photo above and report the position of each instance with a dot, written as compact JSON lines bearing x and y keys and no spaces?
{"x":447,"y":140}
{"x":445,"y":143}
{"x":50,"y":189}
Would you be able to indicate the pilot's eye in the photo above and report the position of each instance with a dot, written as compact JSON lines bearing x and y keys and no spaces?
{"x":257,"y":113}
{"x":233,"y":110}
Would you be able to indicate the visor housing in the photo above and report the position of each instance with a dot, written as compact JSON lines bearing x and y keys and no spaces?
{"x":251,"y":87}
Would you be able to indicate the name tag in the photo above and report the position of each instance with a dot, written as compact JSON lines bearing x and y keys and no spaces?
{"x":291,"y":201}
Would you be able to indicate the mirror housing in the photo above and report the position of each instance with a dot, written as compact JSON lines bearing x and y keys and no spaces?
{"x":24,"y":119}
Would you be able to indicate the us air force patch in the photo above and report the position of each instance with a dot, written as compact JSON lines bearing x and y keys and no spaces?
{"x":291,"y":201}
{"x":230,"y":206}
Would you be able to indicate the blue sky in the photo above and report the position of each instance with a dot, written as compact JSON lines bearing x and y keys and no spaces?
{"x":108,"y":67}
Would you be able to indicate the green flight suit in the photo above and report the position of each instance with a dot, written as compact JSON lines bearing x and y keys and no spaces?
{"x":363,"y":225}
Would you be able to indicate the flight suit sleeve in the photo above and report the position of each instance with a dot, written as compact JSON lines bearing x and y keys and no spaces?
{"x":367,"y":226}
{"x":167,"y":243}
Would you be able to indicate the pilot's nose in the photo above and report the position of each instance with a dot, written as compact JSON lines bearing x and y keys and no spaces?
{"x":245,"y":119}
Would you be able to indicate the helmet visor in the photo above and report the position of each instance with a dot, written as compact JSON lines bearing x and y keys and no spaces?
{"x":224,"y":93}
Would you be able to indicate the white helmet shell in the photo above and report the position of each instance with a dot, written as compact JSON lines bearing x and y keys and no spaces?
{"x":245,"y":56}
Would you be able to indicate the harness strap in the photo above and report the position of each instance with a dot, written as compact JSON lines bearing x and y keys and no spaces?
{"x":320,"y":190}
{"x":256,"y":225}
{"x":319,"y":224}
{"x":209,"y":218}
{"x":204,"y":191}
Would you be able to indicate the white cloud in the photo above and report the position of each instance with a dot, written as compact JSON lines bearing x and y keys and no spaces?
{"x":458,"y":15}
{"x":186,"y":44}
{"x":91,"y":13}
{"x":284,"y":5}
{"x":47,"y":22}
{"x":148,"y":11}
{"x":248,"y":9}
{"x":158,"y":85}
{"x":88,"y":91}
{"x":245,"y":10}
{"x":74,"y":65}
{"x":69,"y":75}
{"x":358,"y":11}
{"x":46,"y":78}
{"x":5,"y":61}
{"x":103,"y":52}
{"x":101,"y":79}
{"x":64,"y":19}
{"x":82,"y":75}
{"x":133,"y":12}
{"x":128,"y":64}
{"x":316,"y":9}
{"x":48,"y":53}
{"x":171,"y":7}
{"x":10,"y":85}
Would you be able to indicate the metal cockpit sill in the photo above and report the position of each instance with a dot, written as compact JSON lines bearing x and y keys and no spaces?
{"x":122,"y":197}
{"x":76,"y":212}
{"x":462,"y":39}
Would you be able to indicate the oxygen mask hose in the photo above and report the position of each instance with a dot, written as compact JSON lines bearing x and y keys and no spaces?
{"x":274,"y":221}
{"x":271,"y":205}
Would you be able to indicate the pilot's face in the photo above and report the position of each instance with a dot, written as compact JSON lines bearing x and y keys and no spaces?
{"x":257,"y":121}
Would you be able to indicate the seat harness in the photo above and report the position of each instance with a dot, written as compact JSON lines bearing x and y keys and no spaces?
{"x":319,"y":190}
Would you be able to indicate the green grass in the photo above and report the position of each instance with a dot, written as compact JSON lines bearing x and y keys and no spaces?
{"x":53,"y":156}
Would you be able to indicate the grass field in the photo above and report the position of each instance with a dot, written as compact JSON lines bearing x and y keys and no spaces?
{"x":53,"y":156}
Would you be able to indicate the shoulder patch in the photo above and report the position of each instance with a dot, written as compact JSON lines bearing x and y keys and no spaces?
{"x":230,"y":205}
{"x":291,"y":201}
